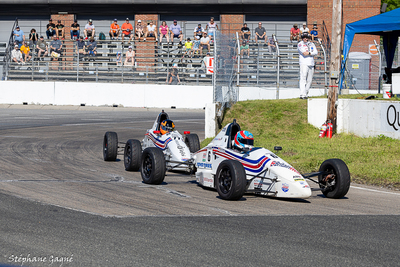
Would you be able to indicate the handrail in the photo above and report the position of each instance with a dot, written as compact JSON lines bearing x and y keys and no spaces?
{"x":7,"y":56}
{"x":325,"y":70}
{"x":278,"y":67}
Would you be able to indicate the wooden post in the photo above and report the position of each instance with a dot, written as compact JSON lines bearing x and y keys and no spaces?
{"x":335,"y":61}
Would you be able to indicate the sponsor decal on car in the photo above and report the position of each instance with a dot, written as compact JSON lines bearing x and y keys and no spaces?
{"x":204,"y":165}
{"x":285,"y":187}
{"x":283,"y":165}
{"x":298,"y":179}
{"x":159,"y":143}
{"x":304,"y":184}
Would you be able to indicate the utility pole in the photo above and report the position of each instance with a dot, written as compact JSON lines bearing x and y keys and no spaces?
{"x":335,"y":61}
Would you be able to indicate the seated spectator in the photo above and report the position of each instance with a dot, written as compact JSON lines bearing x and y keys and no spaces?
{"x":211,"y":27}
{"x":176,"y":32}
{"x":119,"y":58}
{"x":244,"y":49}
{"x":127,"y":30}
{"x":260,"y":33}
{"x":188,"y":48}
{"x":89,"y":30}
{"x":164,"y":31}
{"x":41,"y":48}
{"x":51,"y":29}
{"x":16,"y":55}
{"x":91,"y":47}
{"x":33,"y":37}
{"x":60,"y":30}
{"x":26,"y":51}
{"x":56,"y":47}
{"x":295,"y":33}
{"x":245,"y":32}
{"x":129,"y":57}
{"x":75,"y":29}
{"x":205,"y":43}
{"x":151,"y":31}
{"x":314,"y":33}
{"x":271,"y":45}
{"x":196,"y":46}
{"x":139,"y":30}
{"x":19,"y":36}
{"x":81,"y":46}
{"x":304,"y":29}
{"x":173,"y":76}
{"x":114,"y":30}
{"x":198,"y":31}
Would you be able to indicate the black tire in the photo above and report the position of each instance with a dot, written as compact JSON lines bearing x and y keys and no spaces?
{"x":132,"y":155}
{"x":193,"y":143}
{"x":153,"y":166}
{"x":336,"y":183}
{"x":231,"y":180}
{"x":110,"y":146}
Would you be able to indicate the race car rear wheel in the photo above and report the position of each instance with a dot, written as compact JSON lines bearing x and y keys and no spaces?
{"x":335,"y":183}
{"x":153,"y":166}
{"x":193,"y":143}
{"x":231,"y":180}
{"x":110,"y":146}
{"x":132,"y":155}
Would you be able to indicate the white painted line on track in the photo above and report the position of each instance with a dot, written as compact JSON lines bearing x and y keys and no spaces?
{"x":374,"y":190}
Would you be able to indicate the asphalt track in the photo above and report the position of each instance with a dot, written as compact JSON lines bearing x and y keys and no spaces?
{"x":62,"y":205}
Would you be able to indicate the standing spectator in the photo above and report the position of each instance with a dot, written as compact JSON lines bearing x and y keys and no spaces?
{"x":176,"y":32}
{"x":307,"y":51}
{"x":55,"y":46}
{"x":19,"y":36}
{"x":205,"y":43}
{"x":50,"y":29}
{"x":188,"y":48}
{"x":91,"y":47}
{"x":129,"y":57}
{"x":173,"y":76}
{"x":271,"y":45}
{"x":75,"y":29}
{"x":244,"y":49}
{"x":164,"y":31}
{"x":114,"y":30}
{"x":139,"y":30}
{"x":295,"y":33}
{"x":127,"y":30}
{"x":304,"y":29}
{"x":260,"y":33}
{"x":33,"y":37}
{"x":25,"y":50}
{"x":119,"y":58}
{"x":16,"y":55}
{"x":41,"y":48}
{"x":151,"y":31}
{"x":211,"y":27}
{"x":208,"y":63}
{"x":60,"y":30}
{"x":314,"y":33}
{"x":198,"y":31}
{"x":89,"y":30}
{"x":245,"y":32}
{"x":196,"y":46}
{"x":81,"y":46}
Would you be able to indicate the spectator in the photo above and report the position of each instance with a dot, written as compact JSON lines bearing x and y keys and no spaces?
{"x":244,"y":49}
{"x":304,"y":29}
{"x":245,"y":32}
{"x":271,"y":45}
{"x":188,"y":48}
{"x":33,"y":37}
{"x":151,"y":31}
{"x":260,"y":33}
{"x":314,"y":33}
{"x":41,"y":48}
{"x":207,"y":63}
{"x":176,"y":32}
{"x":307,"y":51}
{"x":130,"y":57}
{"x":19,"y":36}
{"x":196,"y":46}
{"x":114,"y":30}
{"x":89,"y":30}
{"x":295,"y":33}
{"x":81,"y":46}
{"x":25,"y":50}
{"x":139,"y":31}
{"x":198,"y":31}
{"x":60,"y":30}
{"x":16,"y":55}
{"x":119,"y":58}
{"x":164,"y":31}
{"x":173,"y":76}
{"x":211,"y":27}
{"x":56,"y":47}
{"x":50,"y":29}
{"x":75,"y":29}
{"x":205,"y":43}
{"x":91,"y":47}
{"x":127,"y":30}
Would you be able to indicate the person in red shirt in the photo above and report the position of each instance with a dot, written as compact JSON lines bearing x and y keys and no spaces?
{"x":295,"y":33}
{"x":114,"y":30}
{"x":127,"y":30}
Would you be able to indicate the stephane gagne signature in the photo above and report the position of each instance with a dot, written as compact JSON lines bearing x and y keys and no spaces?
{"x":28,"y":259}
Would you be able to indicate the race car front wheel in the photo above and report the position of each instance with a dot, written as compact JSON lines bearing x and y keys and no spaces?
{"x":335,"y":182}
{"x":231,"y":180}
{"x":193,"y":143}
{"x":110,"y":146}
{"x":132,"y":155}
{"x":153,"y":166}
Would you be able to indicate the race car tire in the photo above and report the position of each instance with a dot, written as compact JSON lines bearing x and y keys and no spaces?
{"x":231,"y":180}
{"x":153,"y":166}
{"x":339,"y":186}
{"x":193,"y":143}
{"x":110,"y":146}
{"x":132,"y":155}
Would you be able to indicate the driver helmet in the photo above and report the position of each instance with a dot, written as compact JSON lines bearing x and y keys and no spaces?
{"x":305,"y":35}
{"x":244,"y":140}
{"x":167,"y":126}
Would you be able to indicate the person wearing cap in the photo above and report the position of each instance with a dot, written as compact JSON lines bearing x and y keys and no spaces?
{"x":92,"y":47}
{"x":19,"y":36}
{"x":173,"y":76}
{"x":198,"y":31}
{"x":245,"y":32}
{"x":204,"y":43}
{"x":55,"y":46}
{"x":81,"y":46}
{"x":260,"y":33}
{"x":196,"y":46}
{"x":139,"y":29}
{"x":207,"y":63}
{"x":89,"y":30}
{"x":50,"y":29}
{"x":307,"y":50}
{"x":151,"y":31}
{"x":16,"y":55}
{"x":295,"y":33}
{"x":26,"y":51}
{"x":127,"y":30}
{"x":314,"y":33}
{"x":41,"y":48}
{"x":129,"y":57}
{"x":60,"y":30}
{"x":244,"y":49}
{"x":304,"y":29}
{"x":75,"y":29}
{"x":114,"y":30}
{"x":176,"y":32}
{"x":164,"y":31}
{"x":188,"y":48}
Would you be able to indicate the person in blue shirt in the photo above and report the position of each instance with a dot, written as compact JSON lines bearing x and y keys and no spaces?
{"x":314,"y":33}
{"x":19,"y":36}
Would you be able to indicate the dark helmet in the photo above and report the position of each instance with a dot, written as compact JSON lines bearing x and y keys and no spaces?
{"x":167,"y":126}
{"x":305,"y":35}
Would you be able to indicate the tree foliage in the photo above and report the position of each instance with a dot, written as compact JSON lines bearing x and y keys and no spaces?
{"x":391,"y":4}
